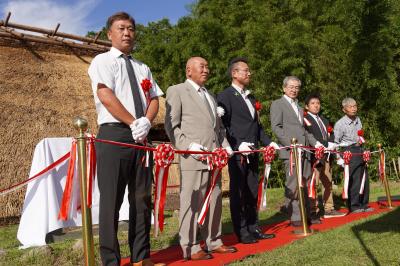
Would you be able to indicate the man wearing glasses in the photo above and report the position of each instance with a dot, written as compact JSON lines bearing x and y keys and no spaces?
{"x":287,"y":123}
{"x":244,"y":132}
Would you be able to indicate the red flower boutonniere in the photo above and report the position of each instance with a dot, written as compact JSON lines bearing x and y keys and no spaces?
{"x":305,"y":113}
{"x":258,"y":106}
{"x":360,"y":134}
{"x":146,"y":86}
{"x":329,"y":129}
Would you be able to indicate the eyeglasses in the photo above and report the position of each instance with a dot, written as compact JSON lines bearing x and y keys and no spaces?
{"x":293,"y":87}
{"x":244,"y":70}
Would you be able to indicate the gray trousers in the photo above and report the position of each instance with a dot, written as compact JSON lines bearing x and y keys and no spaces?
{"x":291,"y":194}
{"x":194,"y":186}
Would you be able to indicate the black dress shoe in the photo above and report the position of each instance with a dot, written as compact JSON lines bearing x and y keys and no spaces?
{"x":260,"y":235}
{"x":314,"y":221}
{"x":247,"y":239}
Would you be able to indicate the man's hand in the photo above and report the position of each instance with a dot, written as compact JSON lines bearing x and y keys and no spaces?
{"x":274,"y":145}
{"x":332,"y":146}
{"x":245,"y":146}
{"x":318,"y":144}
{"x":140,"y":128}
{"x":340,"y":162}
{"x":229,"y":151}
{"x":196,"y":147}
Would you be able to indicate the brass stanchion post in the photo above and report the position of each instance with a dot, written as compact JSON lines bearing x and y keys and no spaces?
{"x":385,"y":181}
{"x":81,"y":124}
{"x":305,"y":230}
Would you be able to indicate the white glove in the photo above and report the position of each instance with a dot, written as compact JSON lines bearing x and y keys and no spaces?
{"x":245,"y":146}
{"x":220,"y":111}
{"x":274,"y":145}
{"x":229,"y":151}
{"x":140,"y":128}
{"x":340,"y":162}
{"x":196,"y":147}
{"x":318,"y":144}
{"x":332,"y":146}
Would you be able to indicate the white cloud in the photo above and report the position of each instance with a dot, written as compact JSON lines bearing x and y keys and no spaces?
{"x":47,"y":13}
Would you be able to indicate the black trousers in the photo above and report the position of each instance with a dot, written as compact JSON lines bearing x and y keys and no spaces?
{"x":118,"y":167}
{"x":243,"y":193}
{"x":356,"y":200}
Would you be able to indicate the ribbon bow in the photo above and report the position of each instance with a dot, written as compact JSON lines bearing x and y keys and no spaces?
{"x":163,"y":158}
{"x":268,"y":156}
{"x":346,"y":157}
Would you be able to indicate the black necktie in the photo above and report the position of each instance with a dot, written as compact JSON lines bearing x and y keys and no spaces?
{"x":137,"y":100}
{"x":321,"y":126}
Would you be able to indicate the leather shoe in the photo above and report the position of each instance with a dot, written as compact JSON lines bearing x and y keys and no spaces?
{"x":224,"y":249}
{"x":247,"y":239}
{"x":201,"y":255}
{"x":315,"y":221}
{"x":260,"y":235}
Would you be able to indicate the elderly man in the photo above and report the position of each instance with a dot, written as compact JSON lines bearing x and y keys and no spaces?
{"x":192,"y":124}
{"x":287,"y":123}
{"x":244,"y":132}
{"x":347,"y":136}
{"x":124,"y":115}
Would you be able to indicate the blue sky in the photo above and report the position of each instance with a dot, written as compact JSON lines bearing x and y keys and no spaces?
{"x":81,"y":16}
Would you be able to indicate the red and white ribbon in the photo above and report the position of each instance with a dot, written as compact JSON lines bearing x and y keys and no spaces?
{"x":319,"y":154}
{"x":66,"y":199}
{"x":291,"y":164}
{"x":91,"y":169}
{"x":366,"y":157}
{"x":346,"y":157}
{"x":307,"y":122}
{"x":163,"y":157}
{"x":268,"y":156}
{"x":219,"y":160}
{"x":300,"y":165}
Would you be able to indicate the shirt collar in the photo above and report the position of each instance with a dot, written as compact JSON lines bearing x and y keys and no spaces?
{"x":236,"y":87}
{"x":290,"y":100}
{"x":115,"y":52}
{"x":349,"y":121}
{"x":194,"y":85}
{"x":313,"y":115}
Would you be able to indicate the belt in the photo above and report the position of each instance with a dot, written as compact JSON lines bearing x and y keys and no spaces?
{"x":115,"y":124}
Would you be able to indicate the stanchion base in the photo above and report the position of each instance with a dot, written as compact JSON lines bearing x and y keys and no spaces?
{"x":301,"y":233}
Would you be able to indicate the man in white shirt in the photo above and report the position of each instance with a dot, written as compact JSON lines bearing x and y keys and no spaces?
{"x":244,"y":132}
{"x":192,"y":124}
{"x":287,"y":123}
{"x":125,"y":107}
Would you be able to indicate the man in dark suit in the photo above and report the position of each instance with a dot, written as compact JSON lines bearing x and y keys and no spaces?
{"x":287,"y":123}
{"x":319,"y":126}
{"x":244,"y":132}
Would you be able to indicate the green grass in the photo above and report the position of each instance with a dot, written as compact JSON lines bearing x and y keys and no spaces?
{"x":372,"y":241}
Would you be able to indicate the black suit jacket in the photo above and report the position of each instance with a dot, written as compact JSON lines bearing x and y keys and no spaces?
{"x":316,"y":131}
{"x":240,"y":125}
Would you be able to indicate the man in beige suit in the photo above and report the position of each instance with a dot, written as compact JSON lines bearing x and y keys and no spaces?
{"x":192,"y":123}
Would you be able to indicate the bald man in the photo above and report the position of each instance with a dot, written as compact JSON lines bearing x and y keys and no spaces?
{"x":192,"y":124}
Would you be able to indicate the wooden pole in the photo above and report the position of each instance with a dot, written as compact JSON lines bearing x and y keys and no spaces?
{"x":50,"y":32}
{"x":385,"y":181}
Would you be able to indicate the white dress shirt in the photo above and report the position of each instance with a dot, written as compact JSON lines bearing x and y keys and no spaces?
{"x":109,"y":69}
{"x":245,"y":98}
{"x":295,"y":106}
{"x":208,"y":96}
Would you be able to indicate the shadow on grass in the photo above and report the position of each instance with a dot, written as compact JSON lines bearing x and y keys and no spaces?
{"x":386,"y":223}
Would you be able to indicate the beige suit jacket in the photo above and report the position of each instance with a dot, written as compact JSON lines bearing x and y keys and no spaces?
{"x":187,"y":120}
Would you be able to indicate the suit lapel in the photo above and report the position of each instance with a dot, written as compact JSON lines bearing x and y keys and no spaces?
{"x":241,"y":102}
{"x":197,"y":99}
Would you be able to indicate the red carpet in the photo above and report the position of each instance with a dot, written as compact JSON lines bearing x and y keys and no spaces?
{"x":284,"y":235}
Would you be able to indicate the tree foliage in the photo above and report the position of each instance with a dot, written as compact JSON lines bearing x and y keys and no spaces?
{"x":339,"y":48}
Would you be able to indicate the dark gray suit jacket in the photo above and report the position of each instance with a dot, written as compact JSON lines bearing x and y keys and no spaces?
{"x":286,"y":125}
